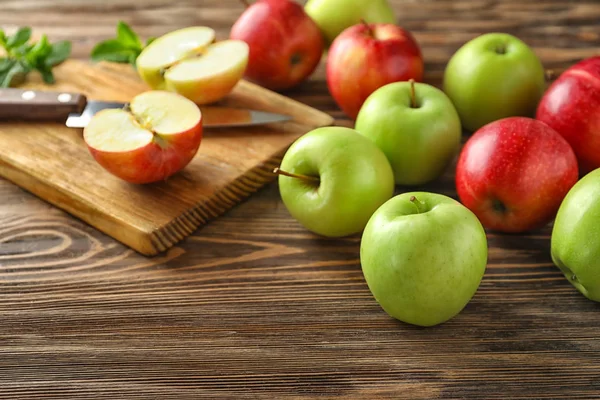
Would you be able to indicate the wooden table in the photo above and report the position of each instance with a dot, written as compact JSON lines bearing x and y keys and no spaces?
{"x":253,"y":306}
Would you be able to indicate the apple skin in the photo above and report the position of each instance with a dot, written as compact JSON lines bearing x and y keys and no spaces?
{"x":160,"y":158}
{"x":486,"y":86}
{"x":575,"y":243}
{"x":359,"y":63}
{"x":156,"y":161}
{"x":285,"y":43}
{"x":334,"y":16}
{"x":514,"y":173}
{"x":571,"y":106}
{"x":355,"y":179}
{"x":423,"y":266}
{"x":419,"y":142}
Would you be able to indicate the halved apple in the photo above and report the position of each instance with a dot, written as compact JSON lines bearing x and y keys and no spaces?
{"x":189,"y":62}
{"x":157,"y":136}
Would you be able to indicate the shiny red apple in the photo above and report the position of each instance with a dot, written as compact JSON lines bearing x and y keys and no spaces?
{"x":286,"y":45}
{"x":514,"y":173}
{"x":571,"y":106}
{"x":365,"y":57}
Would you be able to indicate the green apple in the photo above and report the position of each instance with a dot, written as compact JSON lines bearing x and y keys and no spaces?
{"x":494,"y":76}
{"x":575,"y":243}
{"x":423,"y":256}
{"x":416,"y":126}
{"x":333,"y":16}
{"x":332,"y":179}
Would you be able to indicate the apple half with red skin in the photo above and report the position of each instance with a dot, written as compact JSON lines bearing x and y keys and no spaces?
{"x":156,"y":137}
{"x":365,"y":57}
{"x":571,"y":106}
{"x":514,"y":173}
{"x":286,"y":45}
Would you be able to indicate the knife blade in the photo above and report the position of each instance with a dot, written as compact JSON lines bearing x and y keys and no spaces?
{"x":76,"y":110}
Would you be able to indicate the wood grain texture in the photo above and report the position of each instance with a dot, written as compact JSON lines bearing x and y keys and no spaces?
{"x":52,"y":161}
{"x":252,"y":306}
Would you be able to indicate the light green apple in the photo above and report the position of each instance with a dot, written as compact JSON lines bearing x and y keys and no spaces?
{"x":423,"y":256}
{"x":341,"y":178}
{"x":575,"y":242}
{"x":416,"y":126}
{"x":494,"y":76}
{"x":333,"y":16}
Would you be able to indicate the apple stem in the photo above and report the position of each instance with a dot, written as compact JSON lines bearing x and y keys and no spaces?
{"x":369,"y":29}
{"x":550,"y":75}
{"x":417,"y":204}
{"x":246,"y":3}
{"x":298,"y":176}
{"x":413,"y":97}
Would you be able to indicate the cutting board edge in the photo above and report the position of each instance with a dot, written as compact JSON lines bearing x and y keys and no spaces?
{"x":79,"y":209}
{"x":239,"y":190}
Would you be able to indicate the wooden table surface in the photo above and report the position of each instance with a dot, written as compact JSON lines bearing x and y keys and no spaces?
{"x":253,"y":306}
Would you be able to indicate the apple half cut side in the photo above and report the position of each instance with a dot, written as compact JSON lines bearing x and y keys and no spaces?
{"x":189,"y":62}
{"x":211,"y":76}
{"x":169,"y":49}
{"x":156,"y":137}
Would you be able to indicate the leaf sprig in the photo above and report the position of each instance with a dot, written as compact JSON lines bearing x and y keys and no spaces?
{"x":22,"y":56}
{"x":124,"y":48}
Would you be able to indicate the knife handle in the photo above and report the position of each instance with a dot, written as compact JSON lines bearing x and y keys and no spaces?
{"x":39,"y":105}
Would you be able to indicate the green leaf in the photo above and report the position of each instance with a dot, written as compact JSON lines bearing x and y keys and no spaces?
{"x":47,"y":74}
{"x":113,"y":50}
{"x":41,"y":48}
{"x":24,"y":56}
{"x":6,"y":64}
{"x":132,"y":58}
{"x":59,"y":52}
{"x":19,"y":38}
{"x":125,"y":48}
{"x":17,"y":71}
{"x":38,"y":52}
{"x":127,"y":36}
{"x":21,"y":50}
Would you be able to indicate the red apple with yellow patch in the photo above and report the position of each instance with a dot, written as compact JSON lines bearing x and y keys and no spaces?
{"x":155,"y":138}
{"x":365,"y":57}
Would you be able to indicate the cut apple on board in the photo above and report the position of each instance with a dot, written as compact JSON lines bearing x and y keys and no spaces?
{"x":156,"y":137}
{"x":188,"y":61}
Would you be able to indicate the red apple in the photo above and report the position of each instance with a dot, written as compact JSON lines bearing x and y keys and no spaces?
{"x":514,"y":173}
{"x":157,"y":137}
{"x":285,"y":43}
{"x":365,"y":57}
{"x":571,"y":106}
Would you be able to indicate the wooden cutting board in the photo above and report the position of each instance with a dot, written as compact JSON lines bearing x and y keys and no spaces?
{"x":52,"y":162}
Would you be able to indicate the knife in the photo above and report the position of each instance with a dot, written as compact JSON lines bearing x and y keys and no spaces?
{"x":77,"y":110}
